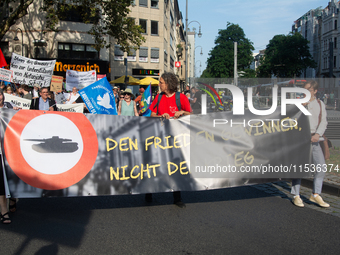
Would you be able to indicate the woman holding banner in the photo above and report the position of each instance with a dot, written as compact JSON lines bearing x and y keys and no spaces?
{"x":169,"y":103}
{"x":318,"y":125}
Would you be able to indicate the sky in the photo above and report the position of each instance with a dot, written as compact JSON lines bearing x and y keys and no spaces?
{"x":260,"y":20}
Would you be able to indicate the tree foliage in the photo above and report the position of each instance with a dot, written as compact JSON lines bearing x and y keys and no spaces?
{"x":6,"y":21}
{"x":286,"y":56}
{"x":221,"y":58}
{"x":108,"y":17}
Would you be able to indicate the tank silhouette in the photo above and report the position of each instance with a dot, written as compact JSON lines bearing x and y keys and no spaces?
{"x":54,"y":145}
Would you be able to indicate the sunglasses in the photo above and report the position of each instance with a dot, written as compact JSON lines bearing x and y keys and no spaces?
{"x":121,"y":97}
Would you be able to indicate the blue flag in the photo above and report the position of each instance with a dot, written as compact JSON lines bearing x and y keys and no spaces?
{"x":99,"y":98}
{"x":146,"y":102}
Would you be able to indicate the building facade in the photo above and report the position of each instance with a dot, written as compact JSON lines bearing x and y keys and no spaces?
{"x":162,"y":23}
{"x":71,"y":46}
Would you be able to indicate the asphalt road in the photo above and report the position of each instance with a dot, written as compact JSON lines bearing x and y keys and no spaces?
{"x":240,"y":220}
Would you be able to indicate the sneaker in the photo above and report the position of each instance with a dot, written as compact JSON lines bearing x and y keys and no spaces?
{"x":298,"y":201}
{"x":318,"y":200}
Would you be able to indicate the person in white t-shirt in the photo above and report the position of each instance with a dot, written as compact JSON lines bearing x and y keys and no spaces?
{"x":73,"y":96}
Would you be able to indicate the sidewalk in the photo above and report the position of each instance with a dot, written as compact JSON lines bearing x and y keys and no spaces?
{"x":330,"y":192}
{"x":331,"y":184}
{"x":332,"y":114}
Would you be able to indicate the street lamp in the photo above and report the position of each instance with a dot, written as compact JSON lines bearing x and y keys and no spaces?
{"x":22,"y":40}
{"x":199,"y":29}
{"x":200,"y":66}
{"x":186,"y":41}
{"x":201,"y":53}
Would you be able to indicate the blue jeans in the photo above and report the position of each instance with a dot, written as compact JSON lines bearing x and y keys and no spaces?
{"x":318,"y":160}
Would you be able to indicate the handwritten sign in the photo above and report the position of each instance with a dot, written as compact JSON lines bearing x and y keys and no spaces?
{"x":56,"y":83}
{"x":31,"y":71}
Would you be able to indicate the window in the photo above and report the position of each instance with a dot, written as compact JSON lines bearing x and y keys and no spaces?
{"x":143,"y":54}
{"x":171,"y":41}
{"x":171,"y":63}
{"x":165,"y":45}
{"x":171,"y":20}
{"x":68,"y":12}
{"x":131,"y":55}
{"x":154,"y":27}
{"x":77,"y":51}
{"x":334,"y":63}
{"x":165,"y":57}
{"x":143,"y":24}
{"x":90,"y":52}
{"x":119,"y":54}
{"x":64,"y":50}
{"x":154,"y":55}
{"x":335,"y":42}
{"x":154,"y":3}
{"x":335,"y":24}
{"x":143,"y":3}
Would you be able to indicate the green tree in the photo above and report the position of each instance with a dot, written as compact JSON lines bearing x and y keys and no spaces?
{"x":106,"y":17}
{"x":221,"y":58}
{"x":286,"y":56}
{"x":6,"y":21}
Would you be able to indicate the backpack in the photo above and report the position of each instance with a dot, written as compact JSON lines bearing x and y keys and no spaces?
{"x":178,"y":100}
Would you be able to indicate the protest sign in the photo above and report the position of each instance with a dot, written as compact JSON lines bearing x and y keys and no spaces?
{"x":71,"y":107}
{"x":100,"y":76}
{"x":22,"y":103}
{"x":6,"y":75}
{"x":31,"y":71}
{"x":79,"y":79}
{"x":56,"y":83}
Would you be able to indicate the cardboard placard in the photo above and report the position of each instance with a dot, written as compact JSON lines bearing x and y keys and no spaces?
{"x":56,"y":83}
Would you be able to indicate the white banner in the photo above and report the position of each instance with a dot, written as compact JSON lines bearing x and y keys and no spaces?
{"x":31,"y":71}
{"x":6,"y":75}
{"x":79,"y":79}
{"x":18,"y":101}
{"x":71,"y":107}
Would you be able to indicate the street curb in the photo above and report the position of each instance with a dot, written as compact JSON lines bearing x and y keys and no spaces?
{"x":327,"y":188}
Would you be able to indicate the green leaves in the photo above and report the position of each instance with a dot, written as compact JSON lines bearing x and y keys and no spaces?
{"x":220,"y":63}
{"x":286,"y":56}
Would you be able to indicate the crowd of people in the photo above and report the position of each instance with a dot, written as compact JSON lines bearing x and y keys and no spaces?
{"x":169,"y":103}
